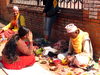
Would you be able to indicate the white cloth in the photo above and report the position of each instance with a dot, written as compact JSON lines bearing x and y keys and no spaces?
{"x":48,"y":49}
{"x":81,"y":60}
{"x":15,"y":8}
{"x":61,"y":56}
{"x":71,"y":28}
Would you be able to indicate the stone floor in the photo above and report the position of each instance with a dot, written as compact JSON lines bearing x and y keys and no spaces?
{"x":1,"y":71}
{"x":1,"y":47}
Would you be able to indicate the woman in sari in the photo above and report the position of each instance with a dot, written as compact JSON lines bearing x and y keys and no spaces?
{"x":18,"y":54}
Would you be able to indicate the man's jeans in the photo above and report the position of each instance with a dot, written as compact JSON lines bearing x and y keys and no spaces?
{"x":48,"y":22}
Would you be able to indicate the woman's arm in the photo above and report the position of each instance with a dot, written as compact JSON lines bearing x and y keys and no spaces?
{"x":23,"y":48}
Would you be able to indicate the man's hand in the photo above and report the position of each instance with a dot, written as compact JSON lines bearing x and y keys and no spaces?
{"x":70,"y":58}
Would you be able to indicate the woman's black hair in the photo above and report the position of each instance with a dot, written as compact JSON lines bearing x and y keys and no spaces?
{"x":22,"y":31}
{"x":10,"y":47}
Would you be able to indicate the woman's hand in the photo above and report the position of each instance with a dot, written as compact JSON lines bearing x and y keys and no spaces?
{"x":30,"y":36}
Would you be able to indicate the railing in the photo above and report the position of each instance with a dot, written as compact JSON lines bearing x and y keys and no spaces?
{"x":72,"y":4}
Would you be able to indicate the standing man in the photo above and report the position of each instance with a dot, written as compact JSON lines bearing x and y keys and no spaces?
{"x":50,"y":15}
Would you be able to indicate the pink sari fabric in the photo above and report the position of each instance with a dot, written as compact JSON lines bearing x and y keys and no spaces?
{"x":7,"y":34}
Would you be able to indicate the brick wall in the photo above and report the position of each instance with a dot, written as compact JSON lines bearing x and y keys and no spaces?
{"x":91,"y":18}
{"x":85,"y":19}
{"x":3,"y":9}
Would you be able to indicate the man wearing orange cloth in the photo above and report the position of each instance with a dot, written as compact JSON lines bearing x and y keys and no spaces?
{"x":12,"y":28}
{"x":80,"y":52}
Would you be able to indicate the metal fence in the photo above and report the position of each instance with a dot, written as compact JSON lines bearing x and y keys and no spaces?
{"x":72,"y":4}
